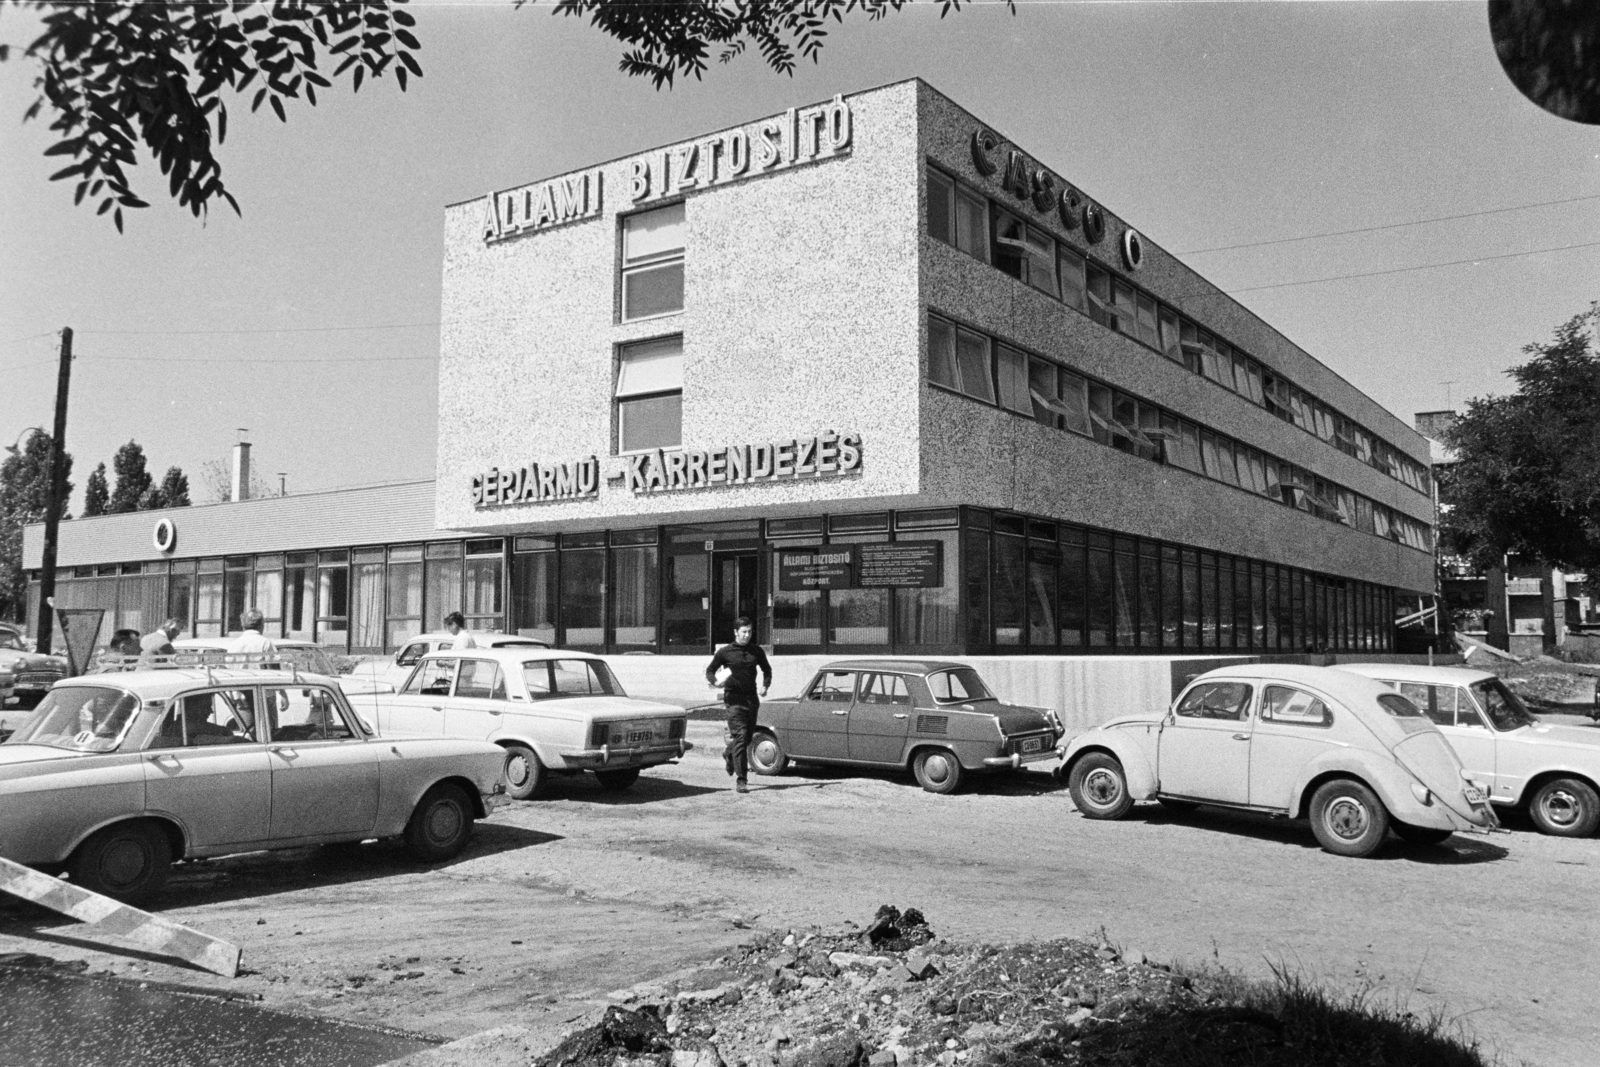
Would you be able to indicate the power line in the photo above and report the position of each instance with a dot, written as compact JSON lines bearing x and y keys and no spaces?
{"x":30,"y":337}
{"x":232,"y":362}
{"x":1403,"y":270}
{"x":287,"y":329}
{"x":1389,"y":226}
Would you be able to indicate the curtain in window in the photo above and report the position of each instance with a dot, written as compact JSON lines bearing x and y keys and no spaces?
{"x":367,"y":612}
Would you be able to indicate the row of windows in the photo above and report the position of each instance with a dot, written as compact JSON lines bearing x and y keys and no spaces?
{"x":649,"y":391}
{"x":971,"y":222}
{"x":996,"y":373}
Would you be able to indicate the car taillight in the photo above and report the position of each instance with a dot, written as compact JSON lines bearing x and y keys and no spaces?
{"x":677,"y":729}
{"x":599,"y":734}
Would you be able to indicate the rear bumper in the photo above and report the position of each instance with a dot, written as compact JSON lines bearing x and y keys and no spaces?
{"x":1017,"y":759}
{"x":620,"y":757}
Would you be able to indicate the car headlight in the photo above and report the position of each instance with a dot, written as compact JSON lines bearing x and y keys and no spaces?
{"x":1420,"y":791}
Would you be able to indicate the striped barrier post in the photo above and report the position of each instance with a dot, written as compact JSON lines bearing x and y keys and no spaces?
{"x":151,"y":931}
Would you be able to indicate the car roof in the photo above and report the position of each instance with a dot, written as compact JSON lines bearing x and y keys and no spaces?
{"x":899,"y":666}
{"x":1345,"y":686}
{"x":160,"y":683}
{"x":498,"y":639}
{"x":512,"y":653}
{"x":1417,"y":672}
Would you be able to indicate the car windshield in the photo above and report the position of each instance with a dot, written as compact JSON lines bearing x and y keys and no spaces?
{"x":1506,"y":709}
{"x":548,"y":678}
{"x":958,"y":684}
{"x":12,"y":641}
{"x":80,"y":718}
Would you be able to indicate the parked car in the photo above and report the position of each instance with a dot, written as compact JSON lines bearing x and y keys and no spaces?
{"x":115,"y":775}
{"x":372,"y":675}
{"x":35,"y":672}
{"x":934,"y":718}
{"x":1551,"y":770}
{"x":552,"y":711}
{"x":8,"y":686}
{"x":1348,"y":753}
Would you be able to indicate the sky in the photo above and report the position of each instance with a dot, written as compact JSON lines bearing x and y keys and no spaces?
{"x":311,"y":321}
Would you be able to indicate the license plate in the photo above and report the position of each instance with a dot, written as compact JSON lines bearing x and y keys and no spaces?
{"x":1475,"y":795}
{"x":1033,"y":744}
{"x":634,"y":733}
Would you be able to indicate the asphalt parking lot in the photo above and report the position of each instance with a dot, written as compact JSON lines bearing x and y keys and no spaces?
{"x":558,"y":901}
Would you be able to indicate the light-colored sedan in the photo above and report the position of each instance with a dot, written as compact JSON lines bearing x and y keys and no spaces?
{"x":115,"y":775}
{"x":373,"y":675}
{"x":1552,"y":770}
{"x":1348,"y":753}
{"x":33,"y":672}
{"x":550,"y":710}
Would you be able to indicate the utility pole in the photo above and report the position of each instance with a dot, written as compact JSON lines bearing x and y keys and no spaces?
{"x":55,"y":503}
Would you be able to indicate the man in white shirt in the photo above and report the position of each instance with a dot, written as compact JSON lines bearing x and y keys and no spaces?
{"x":453,"y":622}
{"x":252,"y":642}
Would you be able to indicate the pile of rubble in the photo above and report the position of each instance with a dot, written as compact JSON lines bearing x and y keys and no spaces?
{"x":888,"y":995}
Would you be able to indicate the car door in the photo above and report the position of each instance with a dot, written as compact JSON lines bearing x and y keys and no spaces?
{"x":324,"y":773}
{"x":880,"y":718}
{"x":820,"y":723}
{"x":1292,"y":727}
{"x":477,"y":707}
{"x":418,"y":709}
{"x":1204,"y":749}
{"x":208,"y":765}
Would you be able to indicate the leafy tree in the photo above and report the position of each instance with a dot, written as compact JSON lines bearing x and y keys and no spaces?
{"x":133,"y":481}
{"x":1547,"y":48}
{"x":24,"y":498}
{"x":1528,"y":476}
{"x":118,"y":74}
{"x":174,"y":488}
{"x":96,"y":494}
{"x":217,"y":480}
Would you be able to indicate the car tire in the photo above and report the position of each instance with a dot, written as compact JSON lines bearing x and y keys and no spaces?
{"x":766,"y":755}
{"x":1176,"y":806}
{"x":126,"y":862}
{"x":440,"y":824}
{"x":1419,"y":835}
{"x":617,"y":781}
{"x":524,"y":773}
{"x":1347,"y":818}
{"x":1099,"y":787}
{"x":1565,"y":807}
{"x":937,"y":770}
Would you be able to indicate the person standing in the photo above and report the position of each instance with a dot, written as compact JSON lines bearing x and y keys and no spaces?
{"x":159,"y":641}
{"x":742,"y":658}
{"x":252,"y":642}
{"x":455,"y":623}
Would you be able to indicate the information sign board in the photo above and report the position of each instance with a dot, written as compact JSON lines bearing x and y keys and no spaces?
{"x":900,"y":565}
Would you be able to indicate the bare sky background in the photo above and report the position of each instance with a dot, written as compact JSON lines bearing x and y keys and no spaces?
{"x":311,"y":320}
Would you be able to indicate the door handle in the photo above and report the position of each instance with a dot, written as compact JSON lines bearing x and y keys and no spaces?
{"x":496,"y":711}
{"x":1241,"y":737}
{"x":899,"y":714}
{"x":845,"y":712}
{"x":436,"y":707}
{"x":160,"y":757}
{"x":285,"y":751}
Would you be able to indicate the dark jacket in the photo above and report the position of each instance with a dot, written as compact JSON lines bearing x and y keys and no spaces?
{"x":742,"y":661}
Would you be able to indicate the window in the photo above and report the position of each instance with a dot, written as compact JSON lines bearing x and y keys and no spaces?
{"x":307,"y":714}
{"x":1215,"y":700}
{"x":955,"y":686}
{"x":1042,"y":391}
{"x":972,"y":365}
{"x":480,"y":679}
{"x":411,"y":654}
{"x":652,"y":263}
{"x":1074,"y":393}
{"x":199,"y":719}
{"x":650,"y":394}
{"x":884,"y":689}
{"x":1171,"y":338}
{"x":1279,"y":704}
{"x":1399,"y":706}
{"x":833,"y":687}
{"x":1072,"y":279}
{"x":433,"y":679}
{"x":1025,"y":253}
{"x":1013,"y":373}
{"x":569,"y":677}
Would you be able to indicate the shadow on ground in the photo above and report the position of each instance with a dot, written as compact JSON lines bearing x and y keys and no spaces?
{"x":585,"y":788}
{"x":1459,"y":850}
{"x":1005,"y":783}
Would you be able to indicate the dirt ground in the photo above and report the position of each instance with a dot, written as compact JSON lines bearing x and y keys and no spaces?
{"x":559,"y":902}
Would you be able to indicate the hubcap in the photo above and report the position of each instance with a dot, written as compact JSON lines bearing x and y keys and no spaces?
{"x":766,"y":753}
{"x":1347,"y":818}
{"x":123,"y":863}
{"x":1561,"y":807}
{"x":517,"y":771}
{"x":937,"y":768}
{"x":444,"y":822}
{"x":1102,"y":787}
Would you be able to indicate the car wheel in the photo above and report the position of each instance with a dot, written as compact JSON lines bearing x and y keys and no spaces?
{"x":440,"y":824}
{"x":1420,"y":835}
{"x":937,"y":770}
{"x":1347,"y":818}
{"x":766,"y":754}
{"x":1179,"y":807}
{"x":1099,"y":787}
{"x":524,"y":773}
{"x":1565,"y":807}
{"x":127,"y":862}
{"x":617,"y":781}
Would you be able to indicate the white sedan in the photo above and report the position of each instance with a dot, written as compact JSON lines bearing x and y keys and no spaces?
{"x":1349,"y":754}
{"x":373,"y":675}
{"x":1552,"y":770}
{"x":551,"y":710}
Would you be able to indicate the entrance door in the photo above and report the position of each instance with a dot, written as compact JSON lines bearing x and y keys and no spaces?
{"x":734,"y":578}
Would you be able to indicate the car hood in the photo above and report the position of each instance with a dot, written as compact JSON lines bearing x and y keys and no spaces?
{"x":1429,"y":756}
{"x":1543,"y":735}
{"x":30,"y":661}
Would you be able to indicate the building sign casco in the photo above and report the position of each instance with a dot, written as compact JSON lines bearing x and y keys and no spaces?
{"x":797,"y":137}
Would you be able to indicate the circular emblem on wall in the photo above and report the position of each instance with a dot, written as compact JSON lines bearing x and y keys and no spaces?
{"x":165,"y":537}
{"x":984,"y":142}
{"x":1132,"y":249}
{"x":1094,"y":223}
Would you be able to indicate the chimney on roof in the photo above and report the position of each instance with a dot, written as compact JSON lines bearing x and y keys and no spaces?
{"x":241,"y":471}
{"x":1435,"y":424}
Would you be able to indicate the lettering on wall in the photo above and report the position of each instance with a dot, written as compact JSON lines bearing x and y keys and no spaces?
{"x":887,"y":565}
{"x":826,"y":455}
{"x":542,"y":205}
{"x":536,"y":483}
{"x":798,"y":136}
